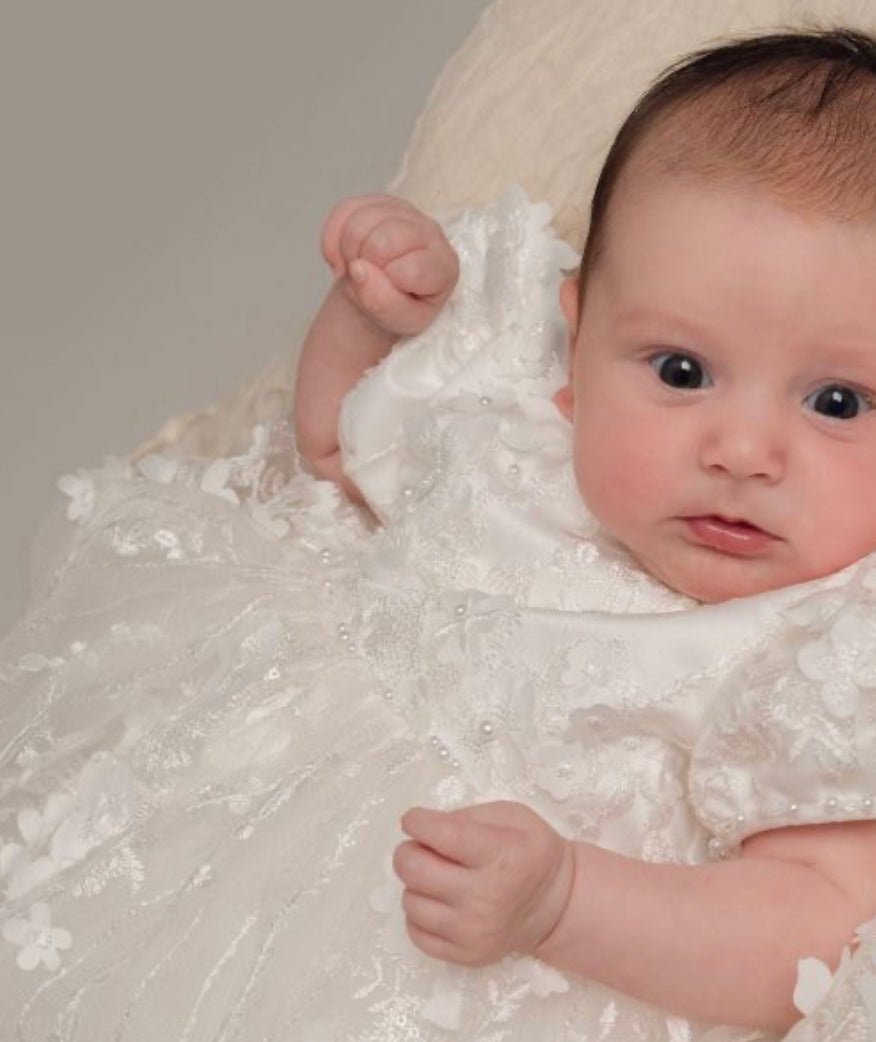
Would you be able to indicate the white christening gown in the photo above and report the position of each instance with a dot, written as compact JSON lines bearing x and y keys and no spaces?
{"x":232,"y":684}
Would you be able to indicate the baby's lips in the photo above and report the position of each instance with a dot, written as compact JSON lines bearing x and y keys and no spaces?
{"x":730,"y":536}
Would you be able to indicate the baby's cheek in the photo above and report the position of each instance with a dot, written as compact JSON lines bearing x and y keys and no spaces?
{"x":833,"y":522}
{"x":618,"y":476}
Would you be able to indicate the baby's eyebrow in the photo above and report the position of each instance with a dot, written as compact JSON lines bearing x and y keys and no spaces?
{"x":668,"y":321}
{"x":839,"y":351}
{"x":856,"y":360}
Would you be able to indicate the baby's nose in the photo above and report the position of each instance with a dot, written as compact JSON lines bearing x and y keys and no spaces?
{"x":744,"y":443}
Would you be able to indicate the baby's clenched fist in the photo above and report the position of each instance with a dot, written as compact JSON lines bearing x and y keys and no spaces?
{"x":395,"y":263}
{"x":482,"y":882}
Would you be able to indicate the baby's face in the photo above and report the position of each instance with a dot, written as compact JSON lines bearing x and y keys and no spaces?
{"x":723,"y":388}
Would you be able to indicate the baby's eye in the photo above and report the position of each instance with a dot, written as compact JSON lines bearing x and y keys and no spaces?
{"x":679,"y":370}
{"x":838,"y":402}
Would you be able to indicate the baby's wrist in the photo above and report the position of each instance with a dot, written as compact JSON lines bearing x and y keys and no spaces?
{"x":559,"y":901}
{"x":365,"y":328}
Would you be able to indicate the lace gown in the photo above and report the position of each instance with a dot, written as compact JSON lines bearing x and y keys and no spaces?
{"x":231,"y":685}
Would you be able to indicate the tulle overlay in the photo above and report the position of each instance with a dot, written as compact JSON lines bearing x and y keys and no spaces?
{"x":232,"y":684}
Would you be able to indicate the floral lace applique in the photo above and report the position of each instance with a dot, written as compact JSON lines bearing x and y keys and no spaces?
{"x":72,"y":822}
{"x":39,"y":941}
{"x":80,"y":488}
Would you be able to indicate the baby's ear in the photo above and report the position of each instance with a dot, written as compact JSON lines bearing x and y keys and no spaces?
{"x":564,"y":401}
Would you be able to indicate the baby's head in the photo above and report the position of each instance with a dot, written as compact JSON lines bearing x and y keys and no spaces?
{"x":723,"y":326}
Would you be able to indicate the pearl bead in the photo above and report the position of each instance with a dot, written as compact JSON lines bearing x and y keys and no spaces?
{"x":514,"y":470}
{"x":740,"y":819}
{"x":407,"y":492}
{"x":459,"y":610}
{"x":793,"y":808}
{"x":485,"y":399}
{"x":454,"y":763}
{"x":443,"y":752}
{"x":434,"y":741}
{"x":486,"y":728}
{"x":325,"y":556}
{"x":831,"y":804}
{"x":388,"y":695}
{"x":868,"y":803}
{"x":716,"y":848}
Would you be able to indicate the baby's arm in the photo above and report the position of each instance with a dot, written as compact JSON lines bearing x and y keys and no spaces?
{"x":394,"y":270}
{"x":717,"y":942}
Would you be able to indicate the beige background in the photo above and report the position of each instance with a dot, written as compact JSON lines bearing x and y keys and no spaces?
{"x":166,"y":166}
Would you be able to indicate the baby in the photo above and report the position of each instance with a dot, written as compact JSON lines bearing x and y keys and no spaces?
{"x":721,"y":391}
{"x":616,"y":630}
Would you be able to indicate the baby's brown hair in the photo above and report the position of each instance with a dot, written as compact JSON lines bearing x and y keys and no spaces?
{"x":793,"y":112}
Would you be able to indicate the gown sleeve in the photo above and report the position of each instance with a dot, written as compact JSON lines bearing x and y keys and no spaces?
{"x":792,"y":738}
{"x":501,"y":326}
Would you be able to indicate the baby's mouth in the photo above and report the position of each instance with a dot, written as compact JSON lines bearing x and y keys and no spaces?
{"x":729,"y":535}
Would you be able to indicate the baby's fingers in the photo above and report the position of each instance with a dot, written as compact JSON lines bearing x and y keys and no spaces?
{"x":350,"y":222}
{"x":425,"y":273}
{"x":426,"y":873}
{"x":438,"y":932}
{"x":333,"y":225}
{"x":453,"y":835}
{"x":427,"y":914}
{"x":392,"y":310}
{"x":440,"y":947}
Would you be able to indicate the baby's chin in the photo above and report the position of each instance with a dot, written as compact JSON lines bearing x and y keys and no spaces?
{"x":711,"y":577}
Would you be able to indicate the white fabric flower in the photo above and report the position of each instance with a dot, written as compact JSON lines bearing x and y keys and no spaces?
{"x":21,"y":870}
{"x":544,"y":980}
{"x":814,"y":981}
{"x":387,"y":901}
{"x":215,"y":481}
{"x":80,"y":489}
{"x":71,"y":825}
{"x":444,"y":1007}
{"x":159,"y":469}
{"x":18,"y":865}
{"x":39,"y":941}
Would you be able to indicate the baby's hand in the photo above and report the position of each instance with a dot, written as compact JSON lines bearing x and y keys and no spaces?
{"x":483,"y":881}
{"x":396,"y":264}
